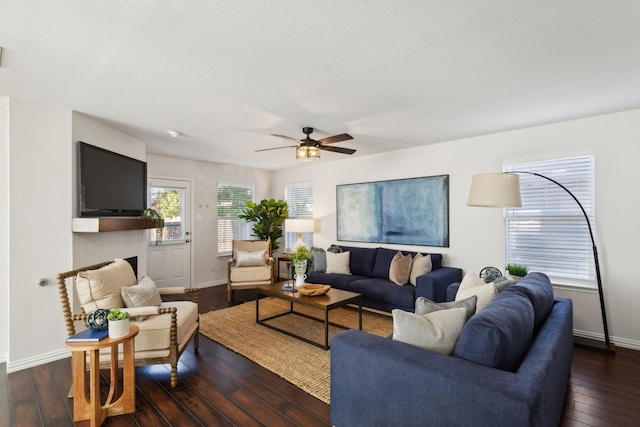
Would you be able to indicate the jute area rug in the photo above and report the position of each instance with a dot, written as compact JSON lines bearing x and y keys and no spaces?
{"x":302,"y":364}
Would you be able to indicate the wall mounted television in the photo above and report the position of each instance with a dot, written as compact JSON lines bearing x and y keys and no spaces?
{"x":110,"y":184}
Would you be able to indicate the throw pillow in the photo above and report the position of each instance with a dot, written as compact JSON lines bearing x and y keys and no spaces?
{"x":424,"y":305}
{"x":250,"y":258}
{"x":101,"y":288}
{"x":335,"y":249}
{"x":400,"y":269}
{"x":471,"y":285}
{"x":421,"y":265}
{"x":319,"y":260}
{"x":437,"y":331}
{"x":143,"y":294}
{"x":338,"y":262}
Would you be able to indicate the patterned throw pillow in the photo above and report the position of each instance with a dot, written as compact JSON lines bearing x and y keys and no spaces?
{"x":318,"y":260}
{"x":424,"y":305}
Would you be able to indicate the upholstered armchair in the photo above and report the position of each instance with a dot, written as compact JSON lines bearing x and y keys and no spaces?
{"x":165,"y":328}
{"x":250,"y":265}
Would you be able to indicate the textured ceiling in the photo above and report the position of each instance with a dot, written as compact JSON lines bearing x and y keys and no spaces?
{"x":393,"y":74}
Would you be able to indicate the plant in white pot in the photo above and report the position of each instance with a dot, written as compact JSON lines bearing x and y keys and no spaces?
{"x":299,"y":259}
{"x":118,"y":323}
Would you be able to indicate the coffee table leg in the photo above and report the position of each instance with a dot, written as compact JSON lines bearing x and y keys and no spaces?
{"x":326,"y":329}
{"x":360,"y":316}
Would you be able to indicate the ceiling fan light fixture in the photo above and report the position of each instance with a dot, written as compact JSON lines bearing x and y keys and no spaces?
{"x":306,"y":154}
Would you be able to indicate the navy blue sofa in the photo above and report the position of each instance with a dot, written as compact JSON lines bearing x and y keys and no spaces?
{"x":510,"y":367}
{"x":370,"y":277}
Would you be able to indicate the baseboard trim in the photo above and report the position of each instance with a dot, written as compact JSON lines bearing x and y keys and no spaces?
{"x":4,"y":357}
{"x":619,"y":342}
{"x":41,"y":359}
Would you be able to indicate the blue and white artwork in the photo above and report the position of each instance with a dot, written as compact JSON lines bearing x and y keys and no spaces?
{"x":413,"y":211}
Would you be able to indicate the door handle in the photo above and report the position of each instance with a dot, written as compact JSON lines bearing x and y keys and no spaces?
{"x":187,"y":241}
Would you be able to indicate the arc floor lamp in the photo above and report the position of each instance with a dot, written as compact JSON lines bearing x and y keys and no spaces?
{"x":503,"y":190}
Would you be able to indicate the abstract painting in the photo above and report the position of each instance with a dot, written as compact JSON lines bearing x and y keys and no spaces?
{"x":412,"y":211}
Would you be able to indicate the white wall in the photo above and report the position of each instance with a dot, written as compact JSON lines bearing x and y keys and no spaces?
{"x":4,"y":229}
{"x":92,"y":248}
{"x":476,"y":234}
{"x":40,"y":226}
{"x":205,"y":177}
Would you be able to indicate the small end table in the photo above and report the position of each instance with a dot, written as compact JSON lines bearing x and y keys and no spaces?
{"x":89,"y":407}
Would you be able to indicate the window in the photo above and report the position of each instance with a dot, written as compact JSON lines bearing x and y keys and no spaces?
{"x":232,"y":200}
{"x":549,"y":233}
{"x":300,"y":200}
{"x":169,"y":203}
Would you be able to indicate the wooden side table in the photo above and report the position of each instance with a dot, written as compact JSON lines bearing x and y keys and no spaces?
{"x":89,"y":407}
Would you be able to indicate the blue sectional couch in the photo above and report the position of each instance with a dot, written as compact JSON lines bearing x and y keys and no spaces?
{"x":510,"y":367}
{"x":370,"y":277}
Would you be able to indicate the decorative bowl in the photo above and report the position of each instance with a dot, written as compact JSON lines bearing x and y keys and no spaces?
{"x":313,"y":290}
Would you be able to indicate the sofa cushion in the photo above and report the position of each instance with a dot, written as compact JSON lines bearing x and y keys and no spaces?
{"x":400,"y":268}
{"x":500,"y":335}
{"x":424,"y":305}
{"x":338,"y":263}
{"x":383,"y":290}
{"x":383,"y":263}
{"x":472,"y":284}
{"x":250,"y":274}
{"x":340,"y":281}
{"x":101,"y":288}
{"x":537,"y":287}
{"x":436,"y":331}
{"x":362,"y":259}
{"x":421,"y":265}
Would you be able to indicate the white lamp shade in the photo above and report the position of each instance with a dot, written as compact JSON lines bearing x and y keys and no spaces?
{"x":495,"y":190}
{"x":299,"y":225}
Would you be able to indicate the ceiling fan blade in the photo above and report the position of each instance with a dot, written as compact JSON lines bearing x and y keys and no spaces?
{"x":335,"y":138}
{"x":337,"y":149}
{"x":275,"y":148}
{"x":284,"y":136}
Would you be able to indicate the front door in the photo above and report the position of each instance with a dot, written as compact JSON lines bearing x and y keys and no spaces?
{"x":169,"y":252}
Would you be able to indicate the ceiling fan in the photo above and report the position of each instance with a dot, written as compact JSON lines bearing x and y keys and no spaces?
{"x":309,"y":149}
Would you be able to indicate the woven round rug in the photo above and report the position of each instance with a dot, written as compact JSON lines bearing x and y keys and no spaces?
{"x":302,"y":364}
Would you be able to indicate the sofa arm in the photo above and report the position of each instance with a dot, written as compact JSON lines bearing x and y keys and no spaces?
{"x":433,"y":285}
{"x":376,"y":381}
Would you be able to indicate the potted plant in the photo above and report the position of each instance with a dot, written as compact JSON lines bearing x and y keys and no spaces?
{"x":268,"y":217}
{"x":118,"y":323}
{"x":299,"y":259}
{"x":517,"y":271}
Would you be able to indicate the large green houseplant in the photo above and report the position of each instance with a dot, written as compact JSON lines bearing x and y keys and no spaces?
{"x":268,"y":217}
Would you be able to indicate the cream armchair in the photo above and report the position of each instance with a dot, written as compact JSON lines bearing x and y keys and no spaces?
{"x":165,"y":328}
{"x":250,"y":265}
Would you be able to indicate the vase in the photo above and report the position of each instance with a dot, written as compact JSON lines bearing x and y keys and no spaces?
{"x":299,"y":268}
{"x":118,"y":328}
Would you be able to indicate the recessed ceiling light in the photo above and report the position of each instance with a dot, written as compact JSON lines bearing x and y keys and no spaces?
{"x":174,"y":133}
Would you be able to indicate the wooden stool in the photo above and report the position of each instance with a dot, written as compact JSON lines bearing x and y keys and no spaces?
{"x":89,"y":407}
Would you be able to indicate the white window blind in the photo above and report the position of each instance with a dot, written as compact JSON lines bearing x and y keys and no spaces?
{"x":549,"y":232}
{"x":300,"y":200}
{"x":232,"y":200}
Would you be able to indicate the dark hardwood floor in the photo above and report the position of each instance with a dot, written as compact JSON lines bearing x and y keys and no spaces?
{"x":219,"y":387}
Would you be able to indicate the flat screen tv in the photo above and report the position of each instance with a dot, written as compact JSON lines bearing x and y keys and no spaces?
{"x":110,"y":184}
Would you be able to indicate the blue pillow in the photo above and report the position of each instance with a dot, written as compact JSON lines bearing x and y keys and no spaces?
{"x":500,"y":334}
{"x":537,"y":287}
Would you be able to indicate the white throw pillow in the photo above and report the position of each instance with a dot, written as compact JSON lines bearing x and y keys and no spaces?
{"x":437,"y":331}
{"x":471,"y":285}
{"x":143,"y":294}
{"x":250,"y":258}
{"x":101,"y":288}
{"x":421,"y":265}
{"x":338,"y":263}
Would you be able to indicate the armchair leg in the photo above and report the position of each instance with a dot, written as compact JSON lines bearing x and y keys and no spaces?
{"x":196,"y":340}
{"x":229,"y":296}
{"x":174,"y":374}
